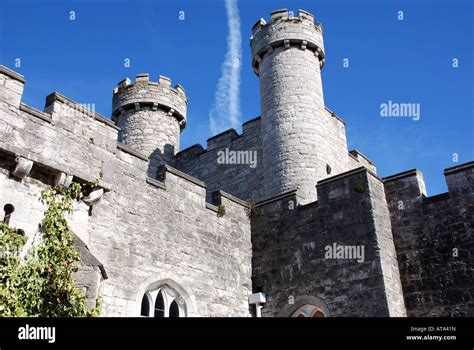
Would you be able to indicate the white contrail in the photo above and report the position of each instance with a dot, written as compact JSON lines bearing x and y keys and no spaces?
{"x":225,"y":112}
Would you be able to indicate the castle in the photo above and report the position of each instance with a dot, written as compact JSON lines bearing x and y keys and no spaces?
{"x":309,"y":231}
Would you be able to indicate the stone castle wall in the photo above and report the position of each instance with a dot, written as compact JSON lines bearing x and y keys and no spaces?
{"x":246,"y":182}
{"x":157,"y":221}
{"x":290,"y":262}
{"x":434,"y":238}
{"x":241,"y":180}
{"x":143,"y":230}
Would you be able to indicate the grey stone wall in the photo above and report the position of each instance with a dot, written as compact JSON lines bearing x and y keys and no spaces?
{"x":158,"y":224}
{"x":246,"y":182}
{"x":240,"y":180}
{"x":434,"y":241}
{"x":289,"y":241}
{"x":145,"y":232}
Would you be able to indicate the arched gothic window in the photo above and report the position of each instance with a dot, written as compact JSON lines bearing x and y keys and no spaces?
{"x":308,"y":311}
{"x":145,"y":311}
{"x":163,"y":301}
{"x":160,"y":305}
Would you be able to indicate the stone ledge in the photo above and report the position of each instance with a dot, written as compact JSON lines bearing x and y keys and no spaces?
{"x":291,"y":44}
{"x":35,"y":112}
{"x":458,"y":168}
{"x":132,"y":105}
{"x":408,"y":173}
{"x":48,"y":164}
{"x":197,"y":148}
{"x":436,"y":198}
{"x":229,"y":132}
{"x":131,"y":151}
{"x":277,"y":197}
{"x":346,"y":174}
{"x":259,"y":118}
{"x":353,"y":157}
{"x":220,"y":193}
{"x":12,"y":74}
{"x":155,"y":183}
{"x":355,"y":153}
{"x":182,"y":175}
{"x":334,"y":115}
{"x":212,"y":207}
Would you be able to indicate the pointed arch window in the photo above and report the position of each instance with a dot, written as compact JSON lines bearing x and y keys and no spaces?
{"x":163,"y":301}
{"x":174,"y":309}
{"x":308,"y":311}
{"x":159,"y":305}
{"x":145,"y":311}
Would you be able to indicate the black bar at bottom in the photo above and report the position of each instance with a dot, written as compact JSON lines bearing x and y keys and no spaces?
{"x":444,"y":333}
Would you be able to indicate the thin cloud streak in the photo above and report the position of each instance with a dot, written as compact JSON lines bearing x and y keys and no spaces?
{"x":225,"y":112}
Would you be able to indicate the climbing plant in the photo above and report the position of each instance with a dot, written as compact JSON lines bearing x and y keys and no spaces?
{"x":220,"y":210}
{"x":40,"y":282}
{"x":252,"y":209}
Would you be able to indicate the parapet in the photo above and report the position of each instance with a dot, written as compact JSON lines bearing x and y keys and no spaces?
{"x":147,"y":94}
{"x":362,"y":159}
{"x":406,"y":185}
{"x":410,"y":184}
{"x":224,"y":138}
{"x":460,"y":179}
{"x":351,"y":184}
{"x":56,"y":97}
{"x":174,"y":180}
{"x":286,"y":31}
{"x":12,"y":84}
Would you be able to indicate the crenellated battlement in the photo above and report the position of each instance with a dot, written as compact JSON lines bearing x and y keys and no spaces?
{"x":223,"y":139}
{"x":286,"y":31}
{"x":32,"y":145}
{"x":56,"y":101}
{"x":409,"y":186}
{"x":146,"y":94}
{"x":282,"y":208}
{"x":432,"y":234}
{"x":285,"y":15}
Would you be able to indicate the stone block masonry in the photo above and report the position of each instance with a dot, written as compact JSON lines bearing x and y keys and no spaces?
{"x":240,"y":180}
{"x":302,"y":222}
{"x":290,"y":261}
{"x":434,"y":239}
{"x":142,"y":231}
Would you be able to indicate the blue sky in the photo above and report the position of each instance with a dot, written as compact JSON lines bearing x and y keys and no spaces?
{"x":407,"y":61}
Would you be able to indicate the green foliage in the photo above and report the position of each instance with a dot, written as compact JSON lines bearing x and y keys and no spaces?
{"x":220,"y":211}
{"x":359,"y":186}
{"x":252,"y":210}
{"x":41,"y":283}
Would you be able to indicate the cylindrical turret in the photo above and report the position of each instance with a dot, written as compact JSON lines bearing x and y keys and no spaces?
{"x":287,"y":55}
{"x":150,"y":116}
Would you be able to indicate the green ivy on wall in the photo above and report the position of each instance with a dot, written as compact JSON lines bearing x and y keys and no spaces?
{"x":40,"y":283}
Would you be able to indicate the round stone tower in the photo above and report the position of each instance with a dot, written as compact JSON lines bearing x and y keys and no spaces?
{"x":150,"y":116}
{"x":287,"y":55}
